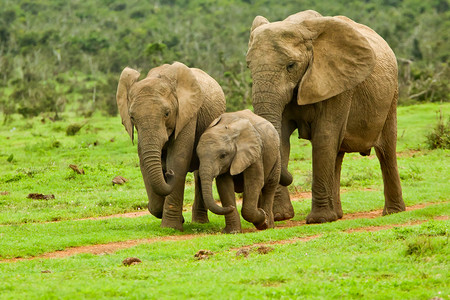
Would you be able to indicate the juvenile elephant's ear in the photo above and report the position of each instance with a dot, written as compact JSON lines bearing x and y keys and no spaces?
{"x":215,"y":121}
{"x":188,"y":91}
{"x":342,"y":58}
{"x":127,"y":79}
{"x":248,"y":146}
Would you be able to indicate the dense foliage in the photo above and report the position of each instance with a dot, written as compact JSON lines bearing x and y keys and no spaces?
{"x":60,"y":55}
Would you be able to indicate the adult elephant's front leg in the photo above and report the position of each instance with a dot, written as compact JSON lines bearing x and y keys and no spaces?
{"x":282,"y":206}
{"x":326,"y":139}
{"x":179,"y":154}
{"x":324,"y":160}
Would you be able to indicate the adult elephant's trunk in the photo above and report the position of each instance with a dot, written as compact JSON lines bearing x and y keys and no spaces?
{"x":206,"y":179}
{"x":268,"y":105}
{"x":150,"y":157}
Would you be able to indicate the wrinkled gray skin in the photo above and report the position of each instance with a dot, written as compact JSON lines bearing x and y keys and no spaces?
{"x":336,"y":82}
{"x":241,"y":151}
{"x":170,"y":109}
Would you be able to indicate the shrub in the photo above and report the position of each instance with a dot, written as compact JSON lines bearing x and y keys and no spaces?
{"x":440,"y":136}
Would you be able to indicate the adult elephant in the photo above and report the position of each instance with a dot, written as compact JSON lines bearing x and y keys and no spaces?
{"x":170,"y":109}
{"x":336,"y":82}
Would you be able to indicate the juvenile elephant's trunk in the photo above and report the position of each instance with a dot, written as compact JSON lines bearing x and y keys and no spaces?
{"x":206,"y":179}
{"x":151,"y":164}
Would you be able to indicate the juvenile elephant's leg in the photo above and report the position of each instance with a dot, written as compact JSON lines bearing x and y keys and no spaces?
{"x":253,"y":184}
{"x":386,"y":153}
{"x":282,"y":206}
{"x":199,"y":210}
{"x":225,"y":188}
{"x":266,"y":202}
{"x":337,"y":184}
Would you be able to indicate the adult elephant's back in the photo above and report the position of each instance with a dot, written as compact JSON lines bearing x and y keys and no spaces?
{"x":214,"y":105}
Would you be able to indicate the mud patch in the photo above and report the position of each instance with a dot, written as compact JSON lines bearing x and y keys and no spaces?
{"x":203,"y":254}
{"x":129,"y":261}
{"x":38,"y":196}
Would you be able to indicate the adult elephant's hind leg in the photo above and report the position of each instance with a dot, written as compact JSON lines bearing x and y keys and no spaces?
{"x":199,"y":210}
{"x":282,"y":206}
{"x":386,"y":153}
{"x":337,"y":184}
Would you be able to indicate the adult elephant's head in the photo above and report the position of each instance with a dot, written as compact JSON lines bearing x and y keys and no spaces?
{"x":159,"y":106}
{"x":306,"y":58}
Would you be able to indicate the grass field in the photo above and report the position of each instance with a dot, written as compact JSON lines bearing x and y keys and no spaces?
{"x":63,"y":247}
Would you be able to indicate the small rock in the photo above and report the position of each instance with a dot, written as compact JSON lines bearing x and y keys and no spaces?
{"x":129,"y":261}
{"x":119,"y":180}
{"x":46,"y":271}
{"x":3,"y":193}
{"x":203,"y":254}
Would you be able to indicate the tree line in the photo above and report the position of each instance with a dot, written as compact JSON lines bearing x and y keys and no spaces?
{"x":58,"y":55}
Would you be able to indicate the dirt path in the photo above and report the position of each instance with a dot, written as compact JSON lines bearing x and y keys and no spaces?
{"x":115,"y":246}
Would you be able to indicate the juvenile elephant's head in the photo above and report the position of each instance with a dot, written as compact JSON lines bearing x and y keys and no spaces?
{"x":306,"y":58}
{"x":230,"y":144}
{"x":159,"y":106}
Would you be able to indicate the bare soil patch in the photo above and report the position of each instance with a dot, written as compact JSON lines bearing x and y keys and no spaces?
{"x":101,"y":249}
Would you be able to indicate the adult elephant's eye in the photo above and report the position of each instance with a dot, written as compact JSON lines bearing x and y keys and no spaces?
{"x":222,"y":156}
{"x":166,"y":114}
{"x":290,"y":66}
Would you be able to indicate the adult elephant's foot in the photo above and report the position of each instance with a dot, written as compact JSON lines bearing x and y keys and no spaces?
{"x":231,"y":230}
{"x":199,"y":216}
{"x":321,"y":215}
{"x":174,"y":223}
{"x":338,"y":211}
{"x":393,"y":208}
{"x":282,"y":206}
{"x":232,"y":223}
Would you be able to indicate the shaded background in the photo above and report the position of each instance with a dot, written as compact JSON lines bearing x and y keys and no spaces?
{"x":58,"y":55}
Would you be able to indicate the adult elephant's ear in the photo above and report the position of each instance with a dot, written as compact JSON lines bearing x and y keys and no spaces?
{"x":127,"y":79}
{"x":189,"y":93}
{"x":248,"y":146}
{"x":257,"y":21}
{"x":342,"y":58}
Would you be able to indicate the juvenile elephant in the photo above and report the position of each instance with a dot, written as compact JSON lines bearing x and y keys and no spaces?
{"x":170,"y":109}
{"x":241,"y":151}
{"x":336,"y":82}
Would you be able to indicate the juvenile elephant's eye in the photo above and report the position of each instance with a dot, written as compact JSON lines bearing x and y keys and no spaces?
{"x":166,"y":114}
{"x":222,"y":156}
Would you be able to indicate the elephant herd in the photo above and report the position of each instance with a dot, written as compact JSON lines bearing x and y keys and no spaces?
{"x":332,"y":79}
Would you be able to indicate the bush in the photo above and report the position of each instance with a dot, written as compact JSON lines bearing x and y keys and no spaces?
{"x":440,"y":136}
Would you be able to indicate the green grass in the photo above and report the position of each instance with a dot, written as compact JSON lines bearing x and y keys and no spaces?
{"x":396,"y":263}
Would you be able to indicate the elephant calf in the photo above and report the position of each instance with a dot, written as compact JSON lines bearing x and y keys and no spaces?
{"x":241,"y":151}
